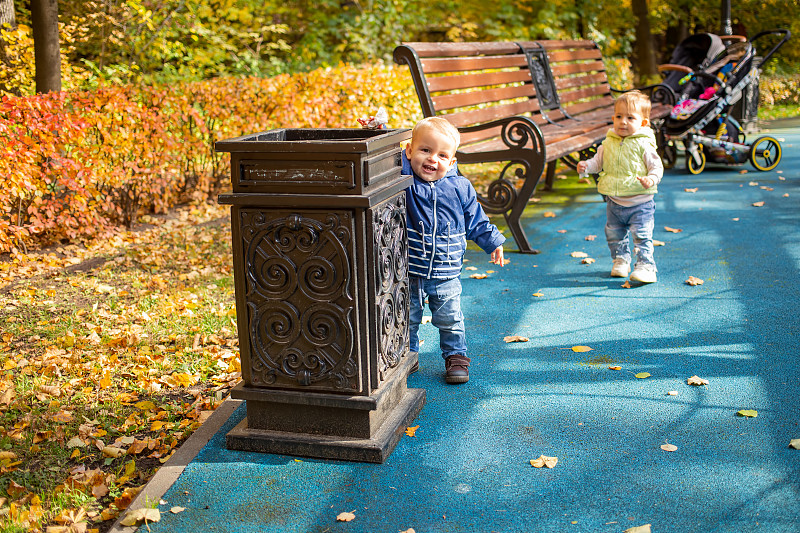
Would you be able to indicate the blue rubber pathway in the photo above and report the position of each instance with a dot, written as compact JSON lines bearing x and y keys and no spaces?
{"x":468,"y":468}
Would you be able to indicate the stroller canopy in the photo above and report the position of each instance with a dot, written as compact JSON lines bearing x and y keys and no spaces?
{"x":696,"y":52}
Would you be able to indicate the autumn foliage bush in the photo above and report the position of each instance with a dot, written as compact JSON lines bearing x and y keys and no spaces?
{"x":78,"y":164}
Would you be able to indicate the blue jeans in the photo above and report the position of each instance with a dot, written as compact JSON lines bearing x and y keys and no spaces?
{"x":639,"y":221}
{"x":444,"y":301}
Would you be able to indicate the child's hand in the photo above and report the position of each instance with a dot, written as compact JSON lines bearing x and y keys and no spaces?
{"x":582,"y":167}
{"x":497,"y":256}
{"x":645,"y":181}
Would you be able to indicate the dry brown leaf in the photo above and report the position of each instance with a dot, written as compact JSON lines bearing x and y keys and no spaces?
{"x":177,"y":509}
{"x":138,"y":516}
{"x":639,"y":529}
{"x":549,"y":214}
{"x":691,"y":190}
{"x":478,"y":276}
{"x":581,"y":349}
{"x":345,"y":517}
{"x":626,"y":285}
{"x":672,"y":230}
{"x":579,"y":254}
{"x":669,"y":447}
{"x":758,"y":204}
{"x":561,"y":231}
{"x":590,"y":237}
{"x":587,"y":261}
{"x":615,"y":368}
{"x":544,"y":461}
{"x":694,"y":281}
{"x":515,"y":338}
{"x":743,"y":171}
{"x":696,"y":381}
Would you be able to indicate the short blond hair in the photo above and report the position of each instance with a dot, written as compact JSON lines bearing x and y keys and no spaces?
{"x":439,"y":125}
{"x":635,"y":101}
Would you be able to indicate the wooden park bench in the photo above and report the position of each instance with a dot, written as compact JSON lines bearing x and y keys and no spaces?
{"x":529,"y":104}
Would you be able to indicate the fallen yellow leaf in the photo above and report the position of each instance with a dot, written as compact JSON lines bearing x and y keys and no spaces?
{"x":669,"y":447}
{"x":581,"y":349}
{"x":587,"y":261}
{"x":615,"y":368}
{"x":795,"y":443}
{"x":642,"y":375}
{"x":411,"y":431}
{"x":639,"y":529}
{"x":537,"y":294}
{"x":561,"y":231}
{"x":138,"y":516}
{"x":758,"y":204}
{"x":549,"y":214}
{"x":470,"y":268}
{"x":515,"y":338}
{"x":590,"y":237}
{"x":626,"y":285}
{"x":748,"y":413}
{"x":579,"y":254}
{"x":544,"y":461}
{"x":177,"y":509}
{"x":478,"y":276}
{"x":345,"y":517}
{"x":658,"y":243}
{"x":697,"y":381}
{"x":691,"y":190}
{"x":694,"y":281}
{"x":672,"y":230}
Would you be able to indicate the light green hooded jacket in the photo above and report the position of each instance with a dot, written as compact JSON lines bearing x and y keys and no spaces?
{"x":623,"y":162}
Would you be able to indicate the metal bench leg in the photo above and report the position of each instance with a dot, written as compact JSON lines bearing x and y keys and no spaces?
{"x":513,"y":217}
{"x":551,"y":174}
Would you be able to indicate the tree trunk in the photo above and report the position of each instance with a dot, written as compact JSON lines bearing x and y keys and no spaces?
{"x":44,"y":18}
{"x":7,"y":15}
{"x":646,"y":64}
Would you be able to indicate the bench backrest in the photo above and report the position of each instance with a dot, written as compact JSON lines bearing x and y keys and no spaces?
{"x":471,"y":83}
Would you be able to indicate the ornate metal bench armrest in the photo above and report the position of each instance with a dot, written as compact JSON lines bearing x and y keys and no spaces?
{"x":526,"y":151}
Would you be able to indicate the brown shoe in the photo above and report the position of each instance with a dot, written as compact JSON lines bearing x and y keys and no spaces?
{"x":457,"y":367}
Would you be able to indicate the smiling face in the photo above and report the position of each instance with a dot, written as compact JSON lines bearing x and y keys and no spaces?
{"x":431,"y":154}
{"x":627,"y":120}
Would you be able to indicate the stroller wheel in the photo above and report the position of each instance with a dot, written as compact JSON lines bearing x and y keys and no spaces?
{"x":669,"y":155}
{"x":765,"y":153}
{"x":693,"y":166}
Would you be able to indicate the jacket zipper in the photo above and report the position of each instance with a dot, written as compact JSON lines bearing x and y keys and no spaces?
{"x":433,"y":232}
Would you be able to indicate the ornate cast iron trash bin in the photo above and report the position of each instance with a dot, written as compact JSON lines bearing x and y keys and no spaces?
{"x":318,"y":222}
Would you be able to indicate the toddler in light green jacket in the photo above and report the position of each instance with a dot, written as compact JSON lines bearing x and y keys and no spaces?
{"x":630,"y":170}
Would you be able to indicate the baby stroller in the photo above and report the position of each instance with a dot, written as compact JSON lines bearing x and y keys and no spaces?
{"x":701,"y":119}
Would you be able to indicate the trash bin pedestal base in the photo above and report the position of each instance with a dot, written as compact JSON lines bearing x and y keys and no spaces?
{"x":349,"y":428}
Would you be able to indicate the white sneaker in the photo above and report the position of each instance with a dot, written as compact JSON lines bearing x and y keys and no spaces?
{"x":621,"y":268}
{"x":644,"y":273}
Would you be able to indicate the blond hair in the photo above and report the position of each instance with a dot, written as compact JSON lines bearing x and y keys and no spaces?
{"x":635,"y":101}
{"x":439,"y":125}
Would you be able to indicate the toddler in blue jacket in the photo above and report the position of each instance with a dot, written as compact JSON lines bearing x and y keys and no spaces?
{"x":443,"y":213}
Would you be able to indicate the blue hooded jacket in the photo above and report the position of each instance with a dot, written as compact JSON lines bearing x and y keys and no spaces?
{"x":442,"y":216}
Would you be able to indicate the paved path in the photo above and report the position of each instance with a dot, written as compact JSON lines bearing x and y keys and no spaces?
{"x":468,"y":467}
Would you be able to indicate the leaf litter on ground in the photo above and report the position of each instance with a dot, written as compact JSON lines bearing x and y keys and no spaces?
{"x":128,"y":344}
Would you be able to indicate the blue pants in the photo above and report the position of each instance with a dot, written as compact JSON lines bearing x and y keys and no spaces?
{"x":639,"y":220}
{"x":444,"y":301}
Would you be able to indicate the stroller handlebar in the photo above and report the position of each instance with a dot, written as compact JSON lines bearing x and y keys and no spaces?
{"x":786,"y":34}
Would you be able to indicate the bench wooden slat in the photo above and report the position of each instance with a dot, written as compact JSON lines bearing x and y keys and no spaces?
{"x":577,"y":68}
{"x":456,"y":100}
{"x":461,"y":64}
{"x":463,"y":49}
{"x":469,"y":81}
{"x":560,"y":56}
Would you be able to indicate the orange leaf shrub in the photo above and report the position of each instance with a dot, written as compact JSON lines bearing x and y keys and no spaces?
{"x":80,"y":163}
